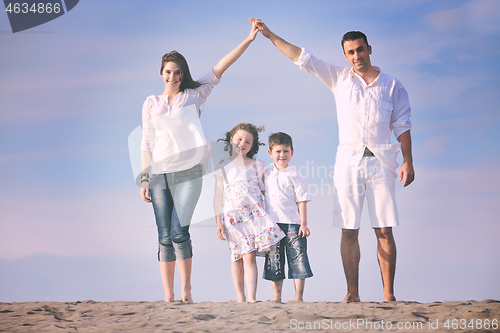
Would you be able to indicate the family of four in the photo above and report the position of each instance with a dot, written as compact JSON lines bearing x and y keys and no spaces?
{"x":259,"y":209}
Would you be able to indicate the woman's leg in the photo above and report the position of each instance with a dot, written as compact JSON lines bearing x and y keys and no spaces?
{"x":185,"y":189}
{"x":185,"y":272}
{"x":238,"y":280}
{"x":251,"y":271}
{"x":163,"y":208}
{"x":167,"y":270}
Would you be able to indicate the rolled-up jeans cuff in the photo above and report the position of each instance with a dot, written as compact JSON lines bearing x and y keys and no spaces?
{"x":176,"y":251}
{"x":166,"y":253}
{"x":183,"y":250}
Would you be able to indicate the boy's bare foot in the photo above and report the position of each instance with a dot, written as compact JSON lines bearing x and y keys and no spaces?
{"x":351,"y":298}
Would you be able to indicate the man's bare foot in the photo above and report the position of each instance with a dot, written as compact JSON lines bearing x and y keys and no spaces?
{"x":389,"y":298}
{"x":186,"y":297}
{"x":351,"y":298}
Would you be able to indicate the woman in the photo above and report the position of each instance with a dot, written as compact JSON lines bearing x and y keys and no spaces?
{"x":173,"y":146}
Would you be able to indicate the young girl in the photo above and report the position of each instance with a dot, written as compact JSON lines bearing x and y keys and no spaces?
{"x":238,"y":208}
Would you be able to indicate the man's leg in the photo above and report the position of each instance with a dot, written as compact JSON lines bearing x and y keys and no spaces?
{"x":386,"y":254}
{"x":349,"y":249}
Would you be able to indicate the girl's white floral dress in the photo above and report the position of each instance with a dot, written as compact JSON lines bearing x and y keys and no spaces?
{"x":248,"y":227}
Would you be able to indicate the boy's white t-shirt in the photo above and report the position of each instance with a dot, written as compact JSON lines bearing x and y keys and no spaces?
{"x":284,"y":189}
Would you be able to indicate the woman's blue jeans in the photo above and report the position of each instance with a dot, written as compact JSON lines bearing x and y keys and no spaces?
{"x":174,"y":196}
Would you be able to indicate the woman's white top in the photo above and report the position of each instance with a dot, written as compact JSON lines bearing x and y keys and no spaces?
{"x":173,"y":133}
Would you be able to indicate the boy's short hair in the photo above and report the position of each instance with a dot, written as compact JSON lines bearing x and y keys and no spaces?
{"x":280,"y":138}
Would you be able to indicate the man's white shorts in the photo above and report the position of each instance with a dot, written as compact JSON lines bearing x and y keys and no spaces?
{"x":371,"y":180}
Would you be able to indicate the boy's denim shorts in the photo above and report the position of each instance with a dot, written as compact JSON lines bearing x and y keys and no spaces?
{"x":295,"y":247}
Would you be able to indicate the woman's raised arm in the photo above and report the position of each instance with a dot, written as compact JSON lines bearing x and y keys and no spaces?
{"x":232,"y":56}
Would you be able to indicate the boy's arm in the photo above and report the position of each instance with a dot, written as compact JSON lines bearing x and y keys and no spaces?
{"x":304,"y":230}
{"x":290,"y":50}
{"x":218,"y":197}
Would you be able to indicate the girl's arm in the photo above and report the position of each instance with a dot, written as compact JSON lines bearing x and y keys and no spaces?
{"x":263,"y":178}
{"x":263,"y":182}
{"x":218,"y":197}
{"x":232,"y":56}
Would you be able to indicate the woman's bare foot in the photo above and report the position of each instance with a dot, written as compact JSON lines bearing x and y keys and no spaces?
{"x":351,"y":298}
{"x":169,"y":298}
{"x":186,"y":297}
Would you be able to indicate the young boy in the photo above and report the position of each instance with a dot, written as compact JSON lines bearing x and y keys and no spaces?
{"x":287,"y":193}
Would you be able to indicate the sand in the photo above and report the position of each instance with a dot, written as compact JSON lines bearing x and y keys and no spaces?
{"x":90,"y":316}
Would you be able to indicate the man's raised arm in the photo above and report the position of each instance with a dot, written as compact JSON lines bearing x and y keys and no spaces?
{"x":290,"y":50}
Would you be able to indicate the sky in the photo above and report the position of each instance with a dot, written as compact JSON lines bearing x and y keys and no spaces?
{"x":73,"y":225}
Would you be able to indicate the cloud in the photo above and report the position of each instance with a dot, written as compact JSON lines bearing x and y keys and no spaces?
{"x":28,"y":157}
{"x":479,"y":16}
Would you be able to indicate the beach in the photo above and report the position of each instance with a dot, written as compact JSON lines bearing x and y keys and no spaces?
{"x":267,"y":316}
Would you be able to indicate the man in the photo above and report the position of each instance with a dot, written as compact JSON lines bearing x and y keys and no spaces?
{"x":370,"y":105}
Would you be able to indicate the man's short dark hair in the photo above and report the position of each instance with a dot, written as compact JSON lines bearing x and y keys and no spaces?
{"x":353,"y":35}
{"x":280,"y":138}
